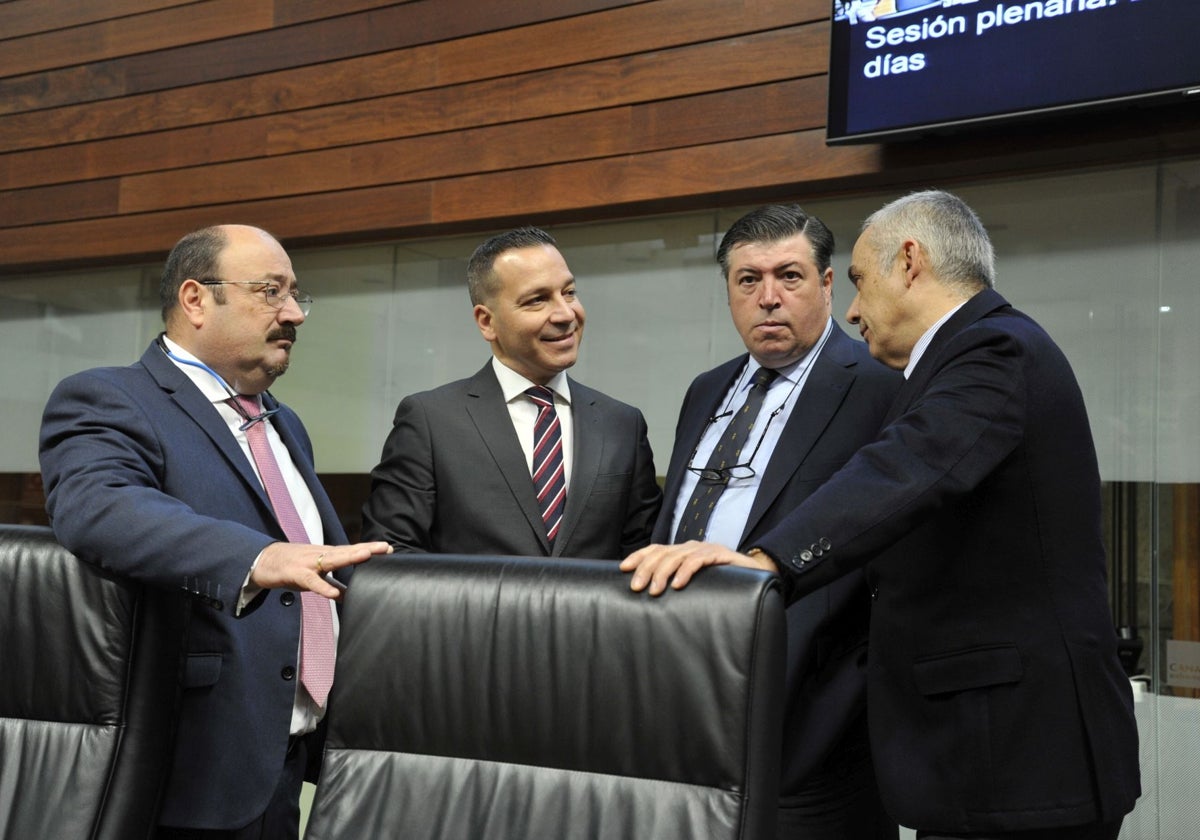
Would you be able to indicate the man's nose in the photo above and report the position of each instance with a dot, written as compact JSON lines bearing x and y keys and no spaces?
{"x":562,"y":311}
{"x":768,"y":293}
{"x":852,"y":314}
{"x":290,"y":312}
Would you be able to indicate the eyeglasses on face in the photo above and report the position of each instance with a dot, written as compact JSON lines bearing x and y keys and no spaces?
{"x":272,"y":294}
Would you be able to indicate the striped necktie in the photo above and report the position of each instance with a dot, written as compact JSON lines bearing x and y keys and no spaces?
{"x":549,"y":479}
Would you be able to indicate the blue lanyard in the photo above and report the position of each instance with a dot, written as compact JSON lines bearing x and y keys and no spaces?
{"x":237,"y":406}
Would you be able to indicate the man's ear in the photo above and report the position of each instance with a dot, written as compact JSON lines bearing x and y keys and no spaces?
{"x":192,"y":302}
{"x":483,"y":320}
{"x":913,"y":256}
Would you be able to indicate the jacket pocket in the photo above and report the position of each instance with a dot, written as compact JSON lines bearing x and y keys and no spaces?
{"x":610,"y":483}
{"x":201,"y":670}
{"x":965,"y":669}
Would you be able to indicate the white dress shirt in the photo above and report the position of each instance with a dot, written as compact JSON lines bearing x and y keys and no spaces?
{"x":923,"y":342}
{"x":524,"y":413}
{"x":305,"y":713}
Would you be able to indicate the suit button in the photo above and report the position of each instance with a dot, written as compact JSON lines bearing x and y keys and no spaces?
{"x":288,"y":672}
{"x":874,"y":593}
{"x":287,"y":598}
{"x":825,"y":543}
{"x":816,"y":550}
{"x":805,"y":556}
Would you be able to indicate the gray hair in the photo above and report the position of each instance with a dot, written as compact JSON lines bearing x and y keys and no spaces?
{"x":956,"y":242}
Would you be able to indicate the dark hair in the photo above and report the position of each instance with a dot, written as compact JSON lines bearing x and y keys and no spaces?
{"x":482,"y":284}
{"x":775,"y":222}
{"x":194,"y":256}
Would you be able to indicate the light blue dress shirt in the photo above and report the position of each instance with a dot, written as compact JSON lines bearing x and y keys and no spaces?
{"x":728,"y":520}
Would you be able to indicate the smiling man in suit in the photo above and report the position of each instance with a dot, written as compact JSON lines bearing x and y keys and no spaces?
{"x":823,"y":397}
{"x":518,"y":459}
{"x":154,"y":472}
{"x":997,"y":704}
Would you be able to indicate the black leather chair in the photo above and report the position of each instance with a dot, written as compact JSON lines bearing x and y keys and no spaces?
{"x":88,"y":693}
{"x":512,"y":698}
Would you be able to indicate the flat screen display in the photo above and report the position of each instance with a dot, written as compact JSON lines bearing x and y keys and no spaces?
{"x":901,"y":68}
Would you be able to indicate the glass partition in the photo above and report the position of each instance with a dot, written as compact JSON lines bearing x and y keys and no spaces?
{"x":1104,"y":260}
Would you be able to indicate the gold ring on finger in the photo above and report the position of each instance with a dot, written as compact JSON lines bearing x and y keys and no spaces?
{"x":320,"y":565}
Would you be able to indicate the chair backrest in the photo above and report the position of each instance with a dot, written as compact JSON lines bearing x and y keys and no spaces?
{"x":510,"y":698}
{"x":88,"y":694}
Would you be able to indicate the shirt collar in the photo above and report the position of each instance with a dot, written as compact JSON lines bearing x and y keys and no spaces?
{"x":201,"y":378}
{"x":514,"y":385}
{"x":793,"y":372}
{"x":923,"y":342}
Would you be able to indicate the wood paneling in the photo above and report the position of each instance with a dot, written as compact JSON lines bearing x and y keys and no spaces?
{"x":133,"y":34}
{"x":639,"y":29}
{"x":19,"y":18}
{"x":340,"y":133}
{"x":1185,"y":570}
{"x":217,"y":53}
{"x":123,"y":124}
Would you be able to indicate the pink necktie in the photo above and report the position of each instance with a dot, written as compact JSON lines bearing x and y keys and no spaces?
{"x":316,"y":638}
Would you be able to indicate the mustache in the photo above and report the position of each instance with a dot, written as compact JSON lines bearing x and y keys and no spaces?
{"x":287,"y":331}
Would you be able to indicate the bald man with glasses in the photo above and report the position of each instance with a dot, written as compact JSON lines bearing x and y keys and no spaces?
{"x":182,"y":472}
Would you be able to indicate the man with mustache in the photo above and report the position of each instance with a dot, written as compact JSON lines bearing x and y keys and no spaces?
{"x":518,"y":459}
{"x":821,"y":397}
{"x":183,"y":473}
{"x":997,"y":703}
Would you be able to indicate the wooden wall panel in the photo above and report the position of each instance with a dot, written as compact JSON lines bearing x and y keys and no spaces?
{"x":398,"y":25}
{"x":132,"y":34}
{"x":639,"y":29}
{"x":123,"y":125}
{"x":339,"y":132}
{"x":766,"y":108}
{"x":29,"y":17}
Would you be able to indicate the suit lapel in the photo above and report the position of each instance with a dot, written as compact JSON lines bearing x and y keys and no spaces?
{"x":828,"y":383}
{"x":702,"y":402}
{"x":489,"y":413}
{"x":588,"y":448}
{"x":197,"y":406}
{"x":284,"y":424}
{"x":977,"y":307}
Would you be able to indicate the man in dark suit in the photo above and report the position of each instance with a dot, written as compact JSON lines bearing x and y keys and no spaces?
{"x":152,"y":471}
{"x":997,"y":704}
{"x":459,"y":469}
{"x":827,"y":399}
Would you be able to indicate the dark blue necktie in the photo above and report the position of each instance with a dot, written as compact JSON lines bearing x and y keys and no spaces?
{"x":694,"y":520}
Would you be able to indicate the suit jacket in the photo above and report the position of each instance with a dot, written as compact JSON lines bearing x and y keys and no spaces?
{"x":453,"y":479}
{"x":143,"y":478}
{"x":840,"y":408}
{"x":996,"y":700}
